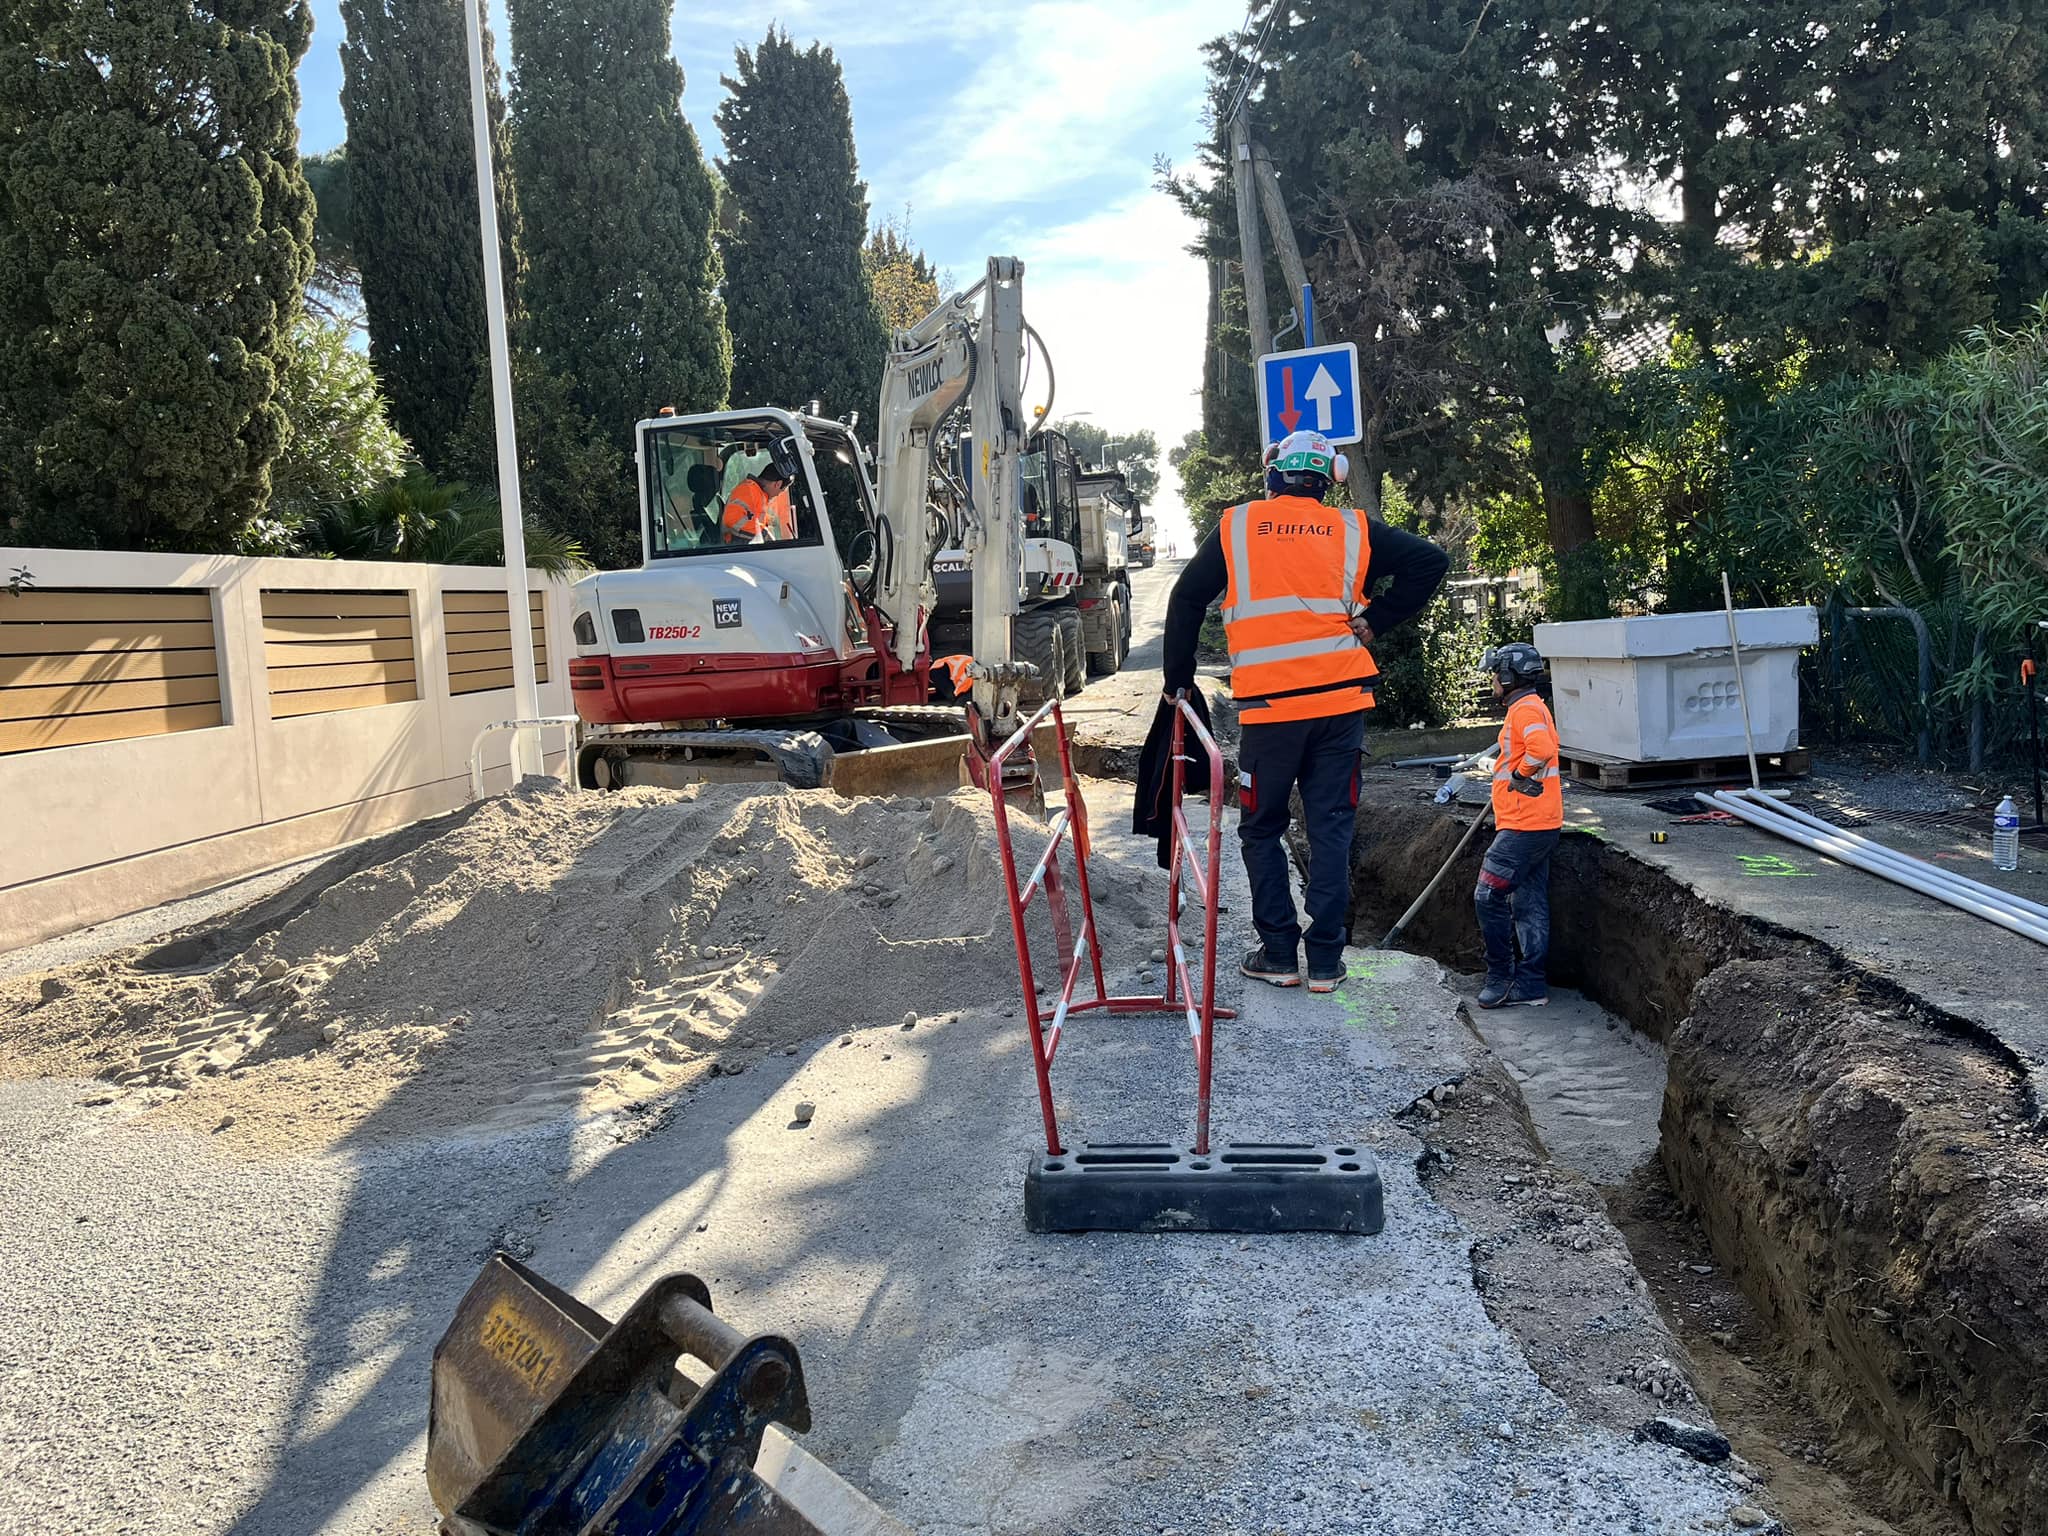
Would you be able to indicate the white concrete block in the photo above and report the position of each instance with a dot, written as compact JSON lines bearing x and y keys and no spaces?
{"x":1661,"y":688}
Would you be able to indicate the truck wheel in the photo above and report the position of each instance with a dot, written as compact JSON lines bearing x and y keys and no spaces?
{"x":1038,"y":637}
{"x":1103,"y":663}
{"x":1127,"y":622}
{"x":1075,"y":636}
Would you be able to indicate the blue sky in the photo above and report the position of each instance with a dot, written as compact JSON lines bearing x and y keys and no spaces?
{"x":1027,"y":129}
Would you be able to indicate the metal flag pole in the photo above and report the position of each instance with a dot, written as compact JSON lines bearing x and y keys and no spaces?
{"x":526,"y":754}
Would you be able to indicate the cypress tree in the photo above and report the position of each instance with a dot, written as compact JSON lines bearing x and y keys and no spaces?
{"x":155,"y":236}
{"x":804,"y":319}
{"x":621,"y":292}
{"x":413,"y":220}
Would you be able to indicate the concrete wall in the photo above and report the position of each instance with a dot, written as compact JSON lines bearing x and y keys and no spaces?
{"x":97,"y":830}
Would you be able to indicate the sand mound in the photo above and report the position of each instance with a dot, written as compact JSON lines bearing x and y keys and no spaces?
{"x":554,"y":951}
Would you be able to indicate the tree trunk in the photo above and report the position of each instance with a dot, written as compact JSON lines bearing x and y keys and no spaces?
{"x":1559,"y":461}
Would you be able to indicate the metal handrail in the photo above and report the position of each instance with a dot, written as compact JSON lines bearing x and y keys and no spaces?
{"x":569,"y":723}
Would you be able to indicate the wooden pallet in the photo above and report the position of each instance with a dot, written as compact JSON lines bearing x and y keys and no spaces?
{"x":1602,"y":772}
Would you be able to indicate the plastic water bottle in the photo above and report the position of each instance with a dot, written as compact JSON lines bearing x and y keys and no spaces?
{"x":2005,"y":835}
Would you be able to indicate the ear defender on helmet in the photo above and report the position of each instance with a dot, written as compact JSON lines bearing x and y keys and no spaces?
{"x":1343,"y":468}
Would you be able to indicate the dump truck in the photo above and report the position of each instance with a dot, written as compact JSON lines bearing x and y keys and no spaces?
{"x":1074,"y":607}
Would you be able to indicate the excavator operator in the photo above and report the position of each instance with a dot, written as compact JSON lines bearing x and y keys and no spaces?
{"x":758,"y":509}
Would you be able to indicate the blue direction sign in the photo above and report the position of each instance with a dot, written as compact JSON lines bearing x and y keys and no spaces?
{"x":1315,"y":389}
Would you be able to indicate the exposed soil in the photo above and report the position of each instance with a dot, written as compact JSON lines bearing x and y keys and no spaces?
{"x":548,"y":949}
{"x":1860,"y":1166}
{"x":1620,"y":932}
{"x":1872,"y":1182}
{"x":1551,"y":1267}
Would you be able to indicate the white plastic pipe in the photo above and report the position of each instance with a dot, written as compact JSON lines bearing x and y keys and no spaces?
{"x":1838,"y":848}
{"x":1991,"y":893}
{"x":1909,"y":870}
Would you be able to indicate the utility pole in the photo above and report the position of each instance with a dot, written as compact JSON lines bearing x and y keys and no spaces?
{"x":1249,"y":243}
{"x":526,"y":754}
{"x":1282,"y":228}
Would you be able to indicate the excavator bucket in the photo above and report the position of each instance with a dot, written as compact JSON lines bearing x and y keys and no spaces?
{"x":547,"y":1420}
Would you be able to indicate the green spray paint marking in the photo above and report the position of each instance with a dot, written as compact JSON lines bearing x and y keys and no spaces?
{"x":1771,"y":864}
{"x":1358,"y":1006}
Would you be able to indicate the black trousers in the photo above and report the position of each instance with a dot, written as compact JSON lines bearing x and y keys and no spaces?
{"x":1320,"y":758}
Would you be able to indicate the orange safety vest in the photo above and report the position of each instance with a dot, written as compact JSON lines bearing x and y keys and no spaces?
{"x":1297,"y":575}
{"x":750,"y":512}
{"x":1528,"y":726}
{"x":957,"y":671}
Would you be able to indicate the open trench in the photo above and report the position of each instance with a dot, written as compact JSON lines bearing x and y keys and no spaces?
{"x":1845,"y":1221}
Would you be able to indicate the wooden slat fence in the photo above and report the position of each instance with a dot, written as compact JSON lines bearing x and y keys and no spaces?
{"x":328,"y":651}
{"x":479,"y":632}
{"x":80,"y":665}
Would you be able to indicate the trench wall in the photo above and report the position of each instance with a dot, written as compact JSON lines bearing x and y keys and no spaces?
{"x":1866,"y":1166}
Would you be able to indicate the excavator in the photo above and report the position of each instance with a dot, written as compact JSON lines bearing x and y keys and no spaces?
{"x":770,"y":648}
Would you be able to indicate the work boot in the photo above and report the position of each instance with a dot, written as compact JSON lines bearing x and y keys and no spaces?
{"x":1261,"y":966}
{"x":1326,"y":976}
{"x":1494,"y":994}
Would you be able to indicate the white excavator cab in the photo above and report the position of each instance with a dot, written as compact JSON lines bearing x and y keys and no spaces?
{"x":779,"y":617}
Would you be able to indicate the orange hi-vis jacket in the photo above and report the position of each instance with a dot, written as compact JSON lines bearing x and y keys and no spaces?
{"x":957,"y":673}
{"x":750,"y":512}
{"x":1529,"y":731}
{"x":1297,"y":575}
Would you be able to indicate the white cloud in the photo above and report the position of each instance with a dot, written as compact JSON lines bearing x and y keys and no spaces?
{"x":1071,"y":92}
{"x":841,"y":25}
{"x":1122,"y":305}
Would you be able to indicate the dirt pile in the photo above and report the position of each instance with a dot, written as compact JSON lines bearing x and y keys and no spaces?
{"x":1882,"y":1192}
{"x":548,"y":950}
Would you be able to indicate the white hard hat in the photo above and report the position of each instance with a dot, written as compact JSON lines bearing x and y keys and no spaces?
{"x":1308,"y":453}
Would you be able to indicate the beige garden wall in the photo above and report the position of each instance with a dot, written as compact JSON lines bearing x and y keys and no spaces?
{"x":340,"y":699}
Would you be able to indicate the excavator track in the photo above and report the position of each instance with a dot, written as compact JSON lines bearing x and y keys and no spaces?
{"x":800,"y":759}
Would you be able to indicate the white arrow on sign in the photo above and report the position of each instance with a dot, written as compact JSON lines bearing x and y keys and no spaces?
{"x":1322,"y":389}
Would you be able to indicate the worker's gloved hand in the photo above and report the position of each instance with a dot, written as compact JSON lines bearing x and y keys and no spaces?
{"x":1522,"y":784}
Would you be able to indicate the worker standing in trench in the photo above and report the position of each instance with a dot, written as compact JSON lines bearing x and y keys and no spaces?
{"x":1306,"y":589}
{"x":1513,"y":894}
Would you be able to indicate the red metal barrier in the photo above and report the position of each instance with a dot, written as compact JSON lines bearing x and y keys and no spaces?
{"x":1181,"y":994}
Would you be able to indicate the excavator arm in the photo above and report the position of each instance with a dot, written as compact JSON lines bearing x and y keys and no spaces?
{"x":971,"y":347}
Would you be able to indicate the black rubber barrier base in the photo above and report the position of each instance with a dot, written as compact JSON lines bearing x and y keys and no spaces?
{"x":1235,"y":1187}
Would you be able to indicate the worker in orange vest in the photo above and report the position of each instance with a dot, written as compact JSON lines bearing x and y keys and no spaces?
{"x":1306,"y":589}
{"x":959,"y":674}
{"x":1513,"y":894}
{"x":757,"y":511}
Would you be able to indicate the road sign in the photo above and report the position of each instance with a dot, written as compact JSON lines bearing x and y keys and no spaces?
{"x":1315,"y":389}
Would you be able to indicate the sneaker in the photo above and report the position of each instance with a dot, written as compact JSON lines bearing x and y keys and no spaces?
{"x":1494,"y":994}
{"x":1522,"y":995}
{"x":1261,"y":966}
{"x":1326,"y":978}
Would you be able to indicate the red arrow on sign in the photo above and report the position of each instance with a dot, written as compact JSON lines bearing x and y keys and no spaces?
{"x":1289,"y":414}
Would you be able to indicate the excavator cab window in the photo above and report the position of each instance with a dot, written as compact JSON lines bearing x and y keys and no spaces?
{"x":1052,"y":490}
{"x":845,"y":486}
{"x":704,"y":495}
